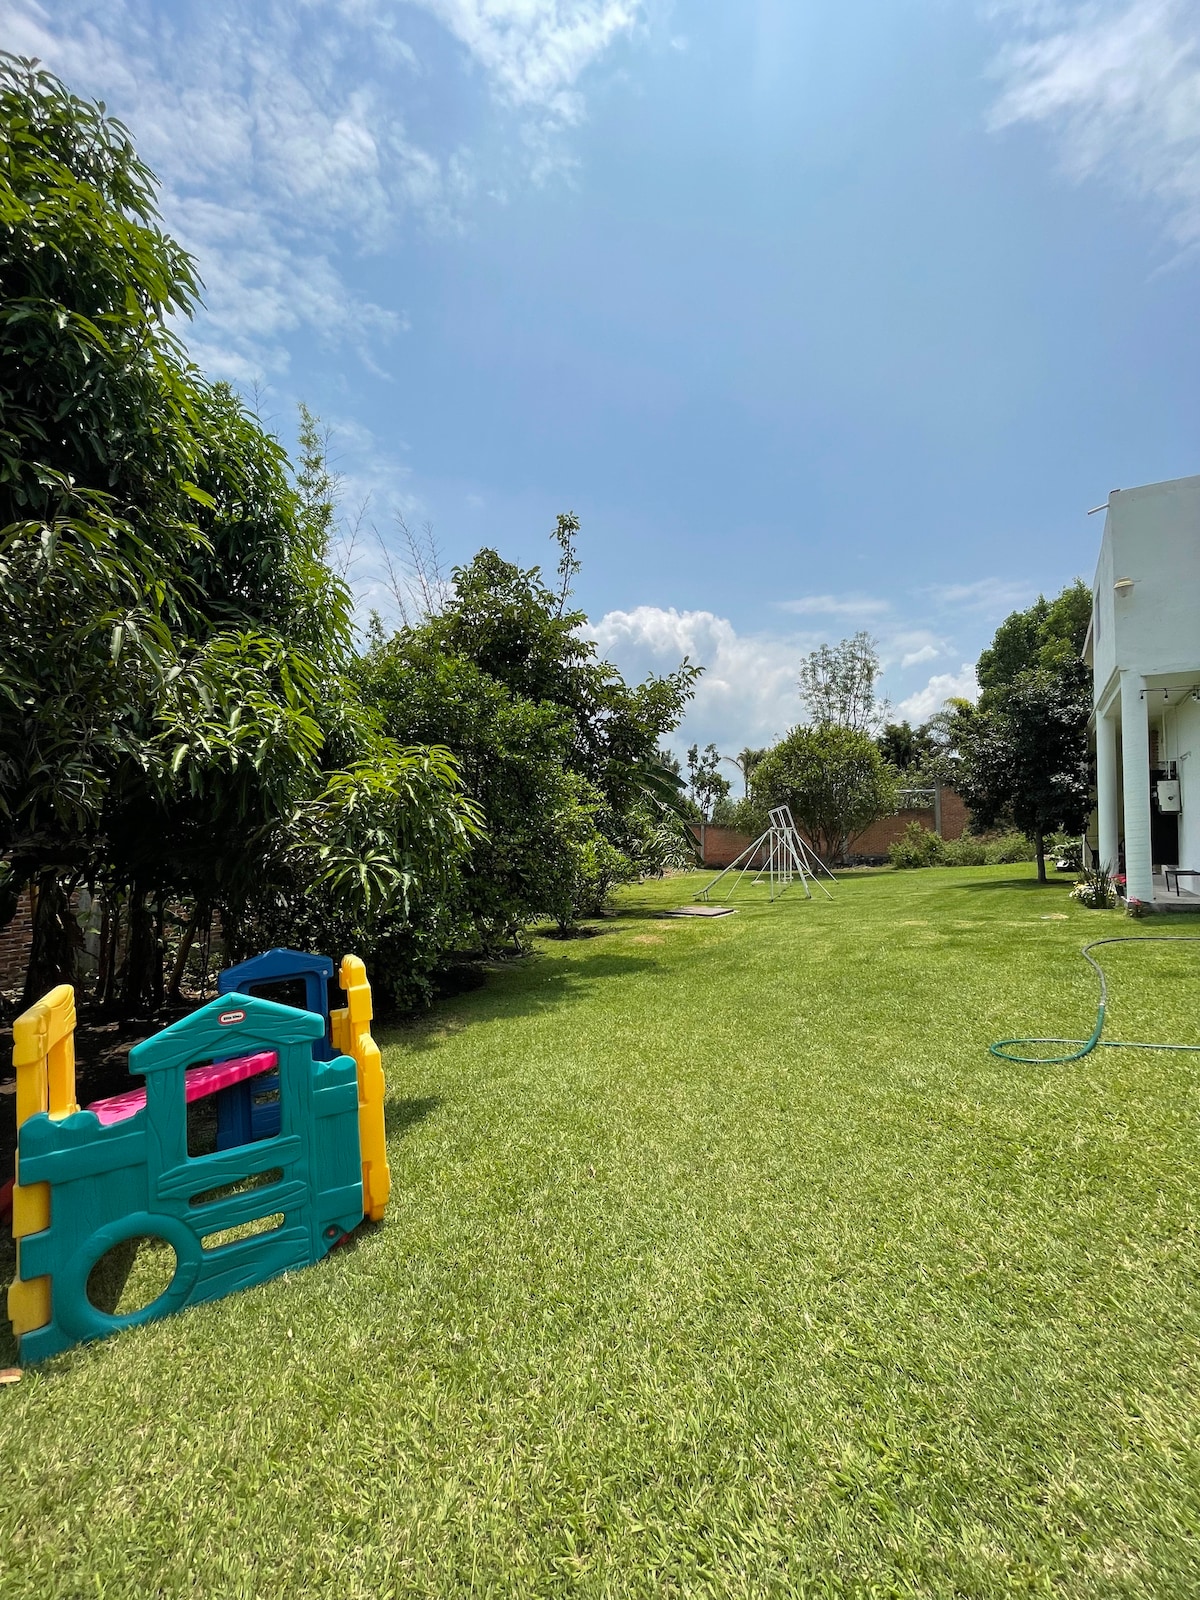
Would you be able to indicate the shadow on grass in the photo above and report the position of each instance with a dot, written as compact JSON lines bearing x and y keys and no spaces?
{"x":993,"y":884}
{"x":8,"y":1267}
{"x":533,"y":985}
{"x":400,"y":1115}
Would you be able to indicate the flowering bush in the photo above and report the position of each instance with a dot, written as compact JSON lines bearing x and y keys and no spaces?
{"x":1095,"y":890}
{"x":1136,"y":908}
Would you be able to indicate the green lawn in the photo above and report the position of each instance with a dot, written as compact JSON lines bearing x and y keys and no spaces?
{"x":722,"y":1260}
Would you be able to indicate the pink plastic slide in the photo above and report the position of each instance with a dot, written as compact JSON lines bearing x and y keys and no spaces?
{"x":199,"y":1081}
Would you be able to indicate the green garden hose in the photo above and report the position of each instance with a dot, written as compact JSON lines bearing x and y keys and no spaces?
{"x":1083,"y":1047}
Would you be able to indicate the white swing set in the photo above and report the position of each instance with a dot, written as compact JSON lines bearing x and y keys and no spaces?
{"x":781,"y":856}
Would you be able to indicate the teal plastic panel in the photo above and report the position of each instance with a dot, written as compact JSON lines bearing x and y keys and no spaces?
{"x":136,"y":1177}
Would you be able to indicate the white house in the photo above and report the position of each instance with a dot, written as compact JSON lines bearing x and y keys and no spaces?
{"x":1143,"y":646}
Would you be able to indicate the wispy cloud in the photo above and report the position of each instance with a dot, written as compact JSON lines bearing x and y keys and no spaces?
{"x":915,"y":658}
{"x":281,"y":136}
{"x":1118,"y":82}
{"x":277,"y":159}
{"x":535,"y":51}
{"x":832,"y":605}
{"x":985,"y":594}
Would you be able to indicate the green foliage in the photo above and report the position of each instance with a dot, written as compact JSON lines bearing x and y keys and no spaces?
{"x":174,"y":642}
{"x":1095,"y":890}
{"x":917,"y":846}
{"x":1048,"y":637}
{"x":904,"y":747}
{"x":748,"y":759}
{"x":93,"y":392}
{"x":833,"y":778}
{"x":561,"y":755}
{"x":707,"y":785}
{"x":837,"y":684}
{"x":1025,"y":757}
{"x":746,"y":815}
{"x":376,"y":829}
{"x":920,"y":847}
{"x":1021,"y":756}
{"x":1005,"y":849}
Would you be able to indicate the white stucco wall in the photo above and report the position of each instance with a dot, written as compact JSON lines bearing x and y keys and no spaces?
{"x":1151,"y":535}
{"x":1183,"y":746}
{"x":1104,"y":637}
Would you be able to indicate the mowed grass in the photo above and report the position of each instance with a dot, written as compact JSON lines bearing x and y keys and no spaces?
{"x":722,"y":1260}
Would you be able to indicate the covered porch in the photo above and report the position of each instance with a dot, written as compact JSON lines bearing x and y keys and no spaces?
{"x":1147,"y":731}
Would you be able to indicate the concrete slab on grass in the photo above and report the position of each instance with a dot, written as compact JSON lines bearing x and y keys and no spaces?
{"x":701,"y":911}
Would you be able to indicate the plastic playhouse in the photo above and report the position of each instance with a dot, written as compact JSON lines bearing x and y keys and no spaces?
{"x":256,"y":1144}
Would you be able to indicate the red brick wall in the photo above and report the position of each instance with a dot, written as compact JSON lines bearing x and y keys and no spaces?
{"x":881,"y":834}
{"x":14,"y":946}
{"x":721,"y":846}
{"x":724,"y":845}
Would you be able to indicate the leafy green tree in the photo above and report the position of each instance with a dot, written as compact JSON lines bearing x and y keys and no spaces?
{"x":905,"y":747}
{"x":175,"y":643}
{"x":837,"y":684}
{"x":1021,"y":755}
{"x":1048,"y":636}
{"x":707,"y":785}
{"x":1025,"y":758}
{"x":97,"y":491}
{"x":833,"y":778}
{"x":747,"y":760}
{"x":560,"y":753}
{"x":1014,"y":648}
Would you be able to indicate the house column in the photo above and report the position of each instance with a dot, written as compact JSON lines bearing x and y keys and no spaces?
{"x":1135,"y":771}
{"x":1106,"y":789}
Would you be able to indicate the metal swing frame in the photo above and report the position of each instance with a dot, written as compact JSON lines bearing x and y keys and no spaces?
{"x":788,"y":858}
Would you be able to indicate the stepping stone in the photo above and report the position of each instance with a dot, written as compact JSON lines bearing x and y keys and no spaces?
{"x":701,"y":911}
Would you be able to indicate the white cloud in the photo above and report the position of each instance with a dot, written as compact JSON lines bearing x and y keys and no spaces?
{"x":280,"y":135}
{"x":276,"y":155}
{"x":535,"y":51}
{"x":1118,"y":82}
{"x":831,"y":605}
{"x":986,"y":594}
{"x":908,"y":647}
{"x":943,"y":686}
{"x":914,"y":658}
{"x":748,"y":692}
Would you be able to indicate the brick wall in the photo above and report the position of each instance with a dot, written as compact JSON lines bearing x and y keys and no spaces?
{"x":720,"y":846}
{"x":723,"y":845}
{"x":14,"y":945}
{"x":881,"y":834}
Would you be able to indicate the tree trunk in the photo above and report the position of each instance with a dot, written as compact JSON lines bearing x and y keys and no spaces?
{"x":50,"y":952}
{"x":1039,"y":839}
{"x":160,"y":949}
{"x":138,"y":989}
{"x":186,"y":941}
{"x":104,"y":961}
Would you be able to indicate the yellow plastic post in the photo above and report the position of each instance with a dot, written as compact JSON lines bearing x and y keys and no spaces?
{"x":44,"y":1059}
{"x":350,"y":1029}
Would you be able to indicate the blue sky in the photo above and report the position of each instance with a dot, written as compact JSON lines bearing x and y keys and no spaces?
{"x":820,"y":316}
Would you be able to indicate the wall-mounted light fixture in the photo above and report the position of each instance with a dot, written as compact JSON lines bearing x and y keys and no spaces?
{"x":1123,"y":586}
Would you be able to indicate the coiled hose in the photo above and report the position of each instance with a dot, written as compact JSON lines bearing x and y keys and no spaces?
{"x":1083,"y":1047}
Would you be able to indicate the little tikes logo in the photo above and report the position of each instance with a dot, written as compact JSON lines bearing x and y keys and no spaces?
{"x":228,"y":1017}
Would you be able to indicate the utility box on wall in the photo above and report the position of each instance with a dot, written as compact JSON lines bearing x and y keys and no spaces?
{"x":1168,"y":795}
